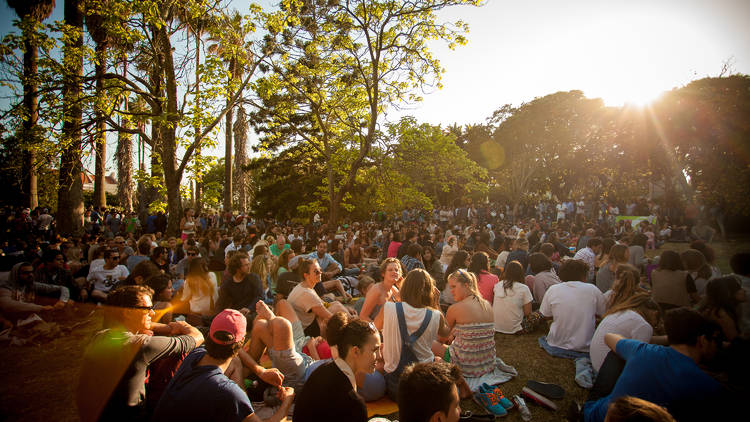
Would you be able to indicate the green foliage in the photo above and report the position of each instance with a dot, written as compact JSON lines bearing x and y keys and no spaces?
{"x":335,"y":67}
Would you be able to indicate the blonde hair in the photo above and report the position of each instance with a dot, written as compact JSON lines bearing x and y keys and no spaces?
{"x":469,"y":280}
{"x":626,"y":285}
{"x":282,"y":262}
{"x":259,"y":267}
{"x":197,"y":278}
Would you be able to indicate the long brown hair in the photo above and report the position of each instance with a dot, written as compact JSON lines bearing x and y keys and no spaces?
{"x":513,"y":273}
{"x":626,"y":285}
{"x":418,"y":289}
{"x":197,"y":277}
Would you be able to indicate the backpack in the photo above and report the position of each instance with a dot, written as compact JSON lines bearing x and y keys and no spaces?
{"x":407,"y":352}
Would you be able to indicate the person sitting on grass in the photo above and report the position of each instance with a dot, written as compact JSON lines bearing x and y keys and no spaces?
{"x":512,"y":305}
{"x":20,"y":293}
{"x":419,"y":312}
{"x":669,"y":376}
{"x":633,"y":317}
{"x":573,"y":307}
{"x":201,"y":391}
{"x":385,"y":291}
{"x":117,"y":361}
{"x":330,"y":393}
{"x":428,"y":392}
{"x":107,"y":276}
{"x":310,"y":309}
{"x":473,"y":348}
{"x":724,"y":296}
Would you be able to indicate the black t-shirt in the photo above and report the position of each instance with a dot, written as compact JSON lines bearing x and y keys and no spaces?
{"x":328,"y":396}
{"x":246,"y":294}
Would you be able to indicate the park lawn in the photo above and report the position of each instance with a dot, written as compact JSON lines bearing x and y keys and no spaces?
{"x":39,"y":382}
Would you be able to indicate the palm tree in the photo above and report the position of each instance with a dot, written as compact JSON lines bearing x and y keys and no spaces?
{"x":70,"y":193}
{"x":230,"y":44}
{"x":31,"y":12}
{"x":240,"y":157}
{"x":95,"y":26}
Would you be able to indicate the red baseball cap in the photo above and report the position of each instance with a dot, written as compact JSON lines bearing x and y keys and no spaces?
{"x":231,"y":322}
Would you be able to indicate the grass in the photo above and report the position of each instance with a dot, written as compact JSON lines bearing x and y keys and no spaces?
{"x":39,"y":382}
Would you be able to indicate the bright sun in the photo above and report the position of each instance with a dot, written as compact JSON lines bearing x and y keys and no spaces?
{"x":634,"y":94}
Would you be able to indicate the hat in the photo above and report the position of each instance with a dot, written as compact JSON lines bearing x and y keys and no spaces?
{"x":229,"y":321}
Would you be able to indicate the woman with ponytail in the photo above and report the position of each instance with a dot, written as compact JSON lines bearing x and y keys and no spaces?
{"x":633,"y":317}
{"x":627,"y":283}
{"x":512,"y":305}
{"x":473,"y":349}
{"x":330,"y":393}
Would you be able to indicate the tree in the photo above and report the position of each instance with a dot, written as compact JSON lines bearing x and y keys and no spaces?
{"x":231,"y":46}
{"x":240,"y":158}
{"x":70,"y":194}
{"x":337,"y":67}
{"x":32,"y":13}
{"x":701,"y":130}
{"x":95,"y":16}
{"x":152,"y":25}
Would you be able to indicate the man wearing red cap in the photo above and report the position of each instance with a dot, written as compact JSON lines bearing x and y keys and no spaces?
{"x":201,"y":391}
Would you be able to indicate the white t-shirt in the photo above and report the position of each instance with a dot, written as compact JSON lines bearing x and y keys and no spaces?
{"x":201,"y":304}
{"x":303,"y":299}
{"x":508,"y":307}
{"x":501,"y":258}
{"x":573,"y":306}
{"x":628,"y":324}
{"x":104,"y":279}
{"x":392,"y":338}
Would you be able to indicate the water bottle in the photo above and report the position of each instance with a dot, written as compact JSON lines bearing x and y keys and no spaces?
{"x":525,"y":412}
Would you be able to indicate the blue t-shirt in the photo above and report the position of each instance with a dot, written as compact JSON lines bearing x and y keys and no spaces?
{"x":657,"y":374}
{"x":202,"y":393}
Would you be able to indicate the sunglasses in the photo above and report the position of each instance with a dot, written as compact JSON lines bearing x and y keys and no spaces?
{"x":192,"y":254}
{"x":145,"y":308}
{"x":114,"y":257}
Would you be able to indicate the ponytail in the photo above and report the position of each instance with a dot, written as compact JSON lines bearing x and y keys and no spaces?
{"x":344,"y":332}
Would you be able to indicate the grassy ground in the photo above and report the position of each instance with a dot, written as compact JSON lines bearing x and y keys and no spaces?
{"x":39,"y":382}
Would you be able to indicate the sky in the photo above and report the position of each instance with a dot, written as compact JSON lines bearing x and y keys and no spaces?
{"x":623,"y":51}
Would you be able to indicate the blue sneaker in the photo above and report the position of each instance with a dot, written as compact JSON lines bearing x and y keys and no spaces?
{"x":493,"y":389}
{"x":488,"y":400}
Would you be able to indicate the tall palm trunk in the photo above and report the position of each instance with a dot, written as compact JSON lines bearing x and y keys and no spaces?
{"x":228,"y":193}
{"x":240,"y":158}
{"x":70,"y":193}
{"x":124,"y":158}
{"x":100,"y":142}
{"x":31,"y":12}
{"x":197,"y":128}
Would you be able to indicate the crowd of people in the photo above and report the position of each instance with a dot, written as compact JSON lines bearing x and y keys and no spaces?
{"x":408,"y":306}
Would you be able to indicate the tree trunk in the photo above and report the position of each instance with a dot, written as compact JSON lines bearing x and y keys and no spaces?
{"x":197,"y":128}
{"x":100,"y":140}
{"x":31,"y":103}
{"x":240,"y":158}
{"x":228,"y":161}
{"x":70,"y":193}
{"x":168,"y":150}
{"x":124,"y":158}
{"x":333,"y":199}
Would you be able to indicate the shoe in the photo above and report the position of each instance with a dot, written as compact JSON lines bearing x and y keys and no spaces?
{"x":486,"y":388}
{"x":549,"y":390}
{"x":489,"y":401}
{"x":538,"y":398}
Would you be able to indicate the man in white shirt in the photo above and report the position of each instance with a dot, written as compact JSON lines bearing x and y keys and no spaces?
{"x":573,"y":307}
{"x":107,"y":276}
{"x":236,"y":244}
{"x":588,"y":255}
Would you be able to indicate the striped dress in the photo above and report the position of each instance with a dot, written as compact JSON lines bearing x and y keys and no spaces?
{"x":473,"y":349}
